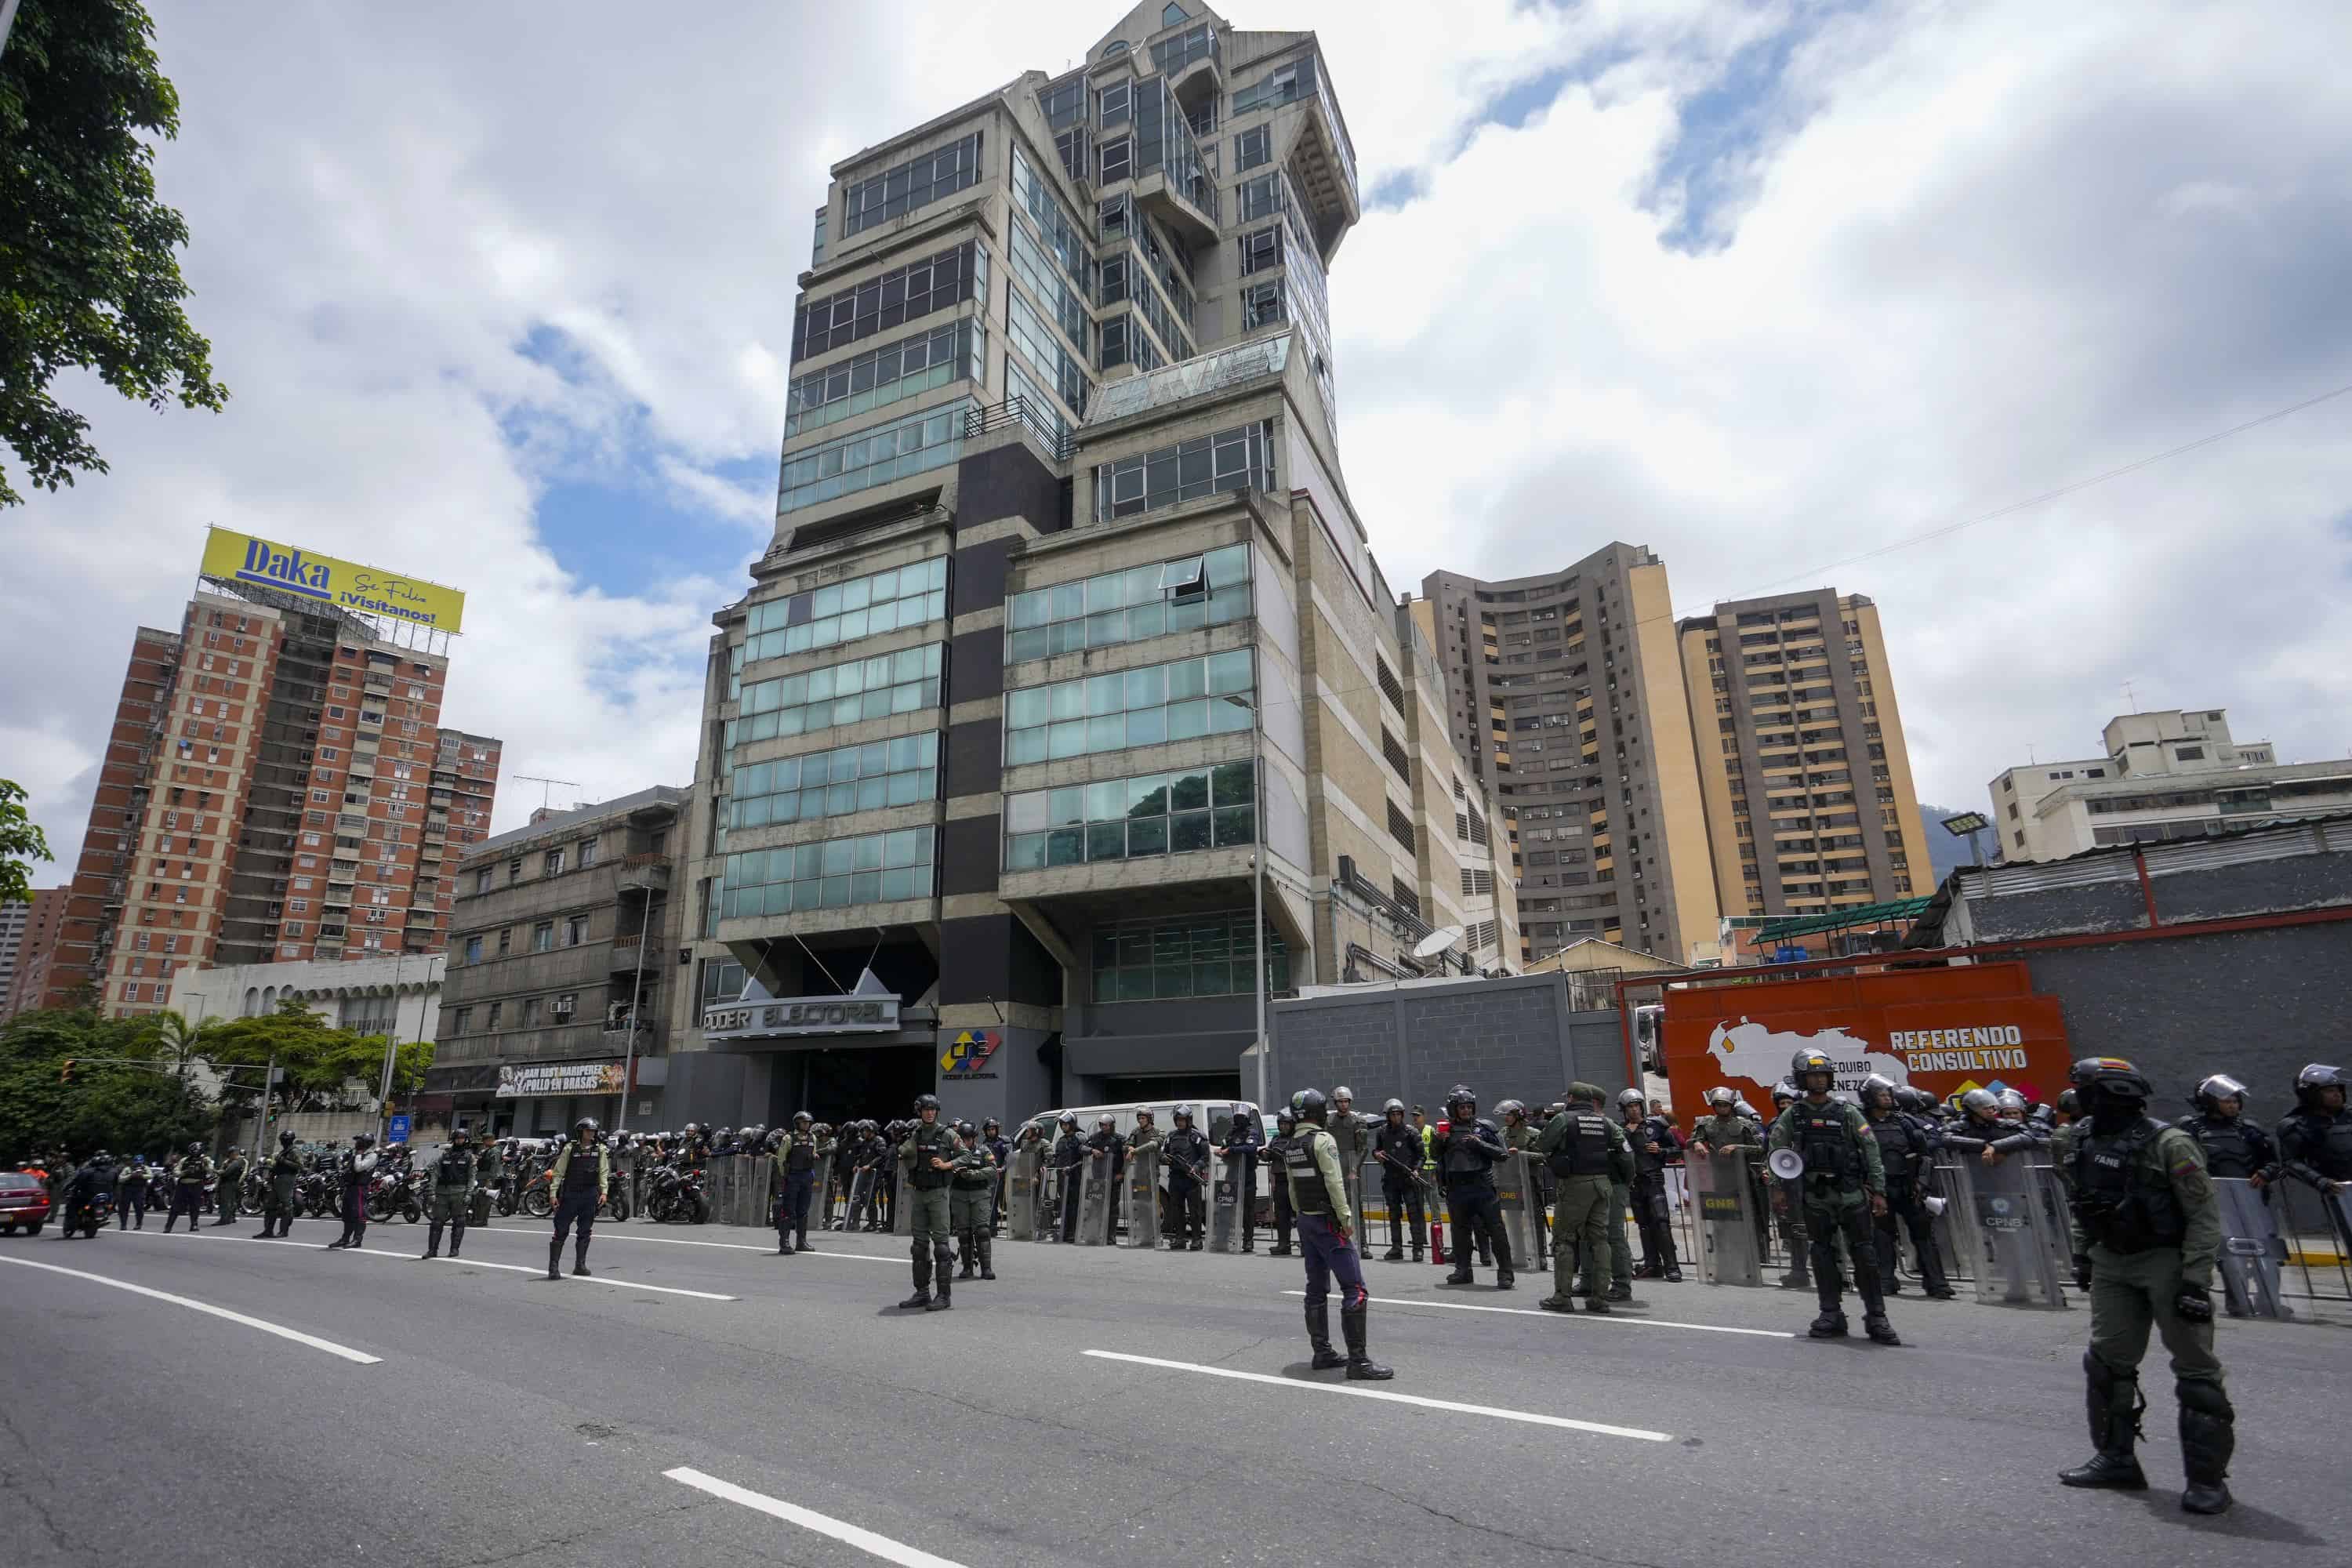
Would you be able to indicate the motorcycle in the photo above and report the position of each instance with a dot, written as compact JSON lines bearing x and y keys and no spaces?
{"x":390,"y":1194}
{"x":677,"y":1198}
{"x":88,"y":1212}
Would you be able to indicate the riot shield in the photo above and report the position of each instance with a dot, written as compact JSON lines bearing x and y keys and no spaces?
{"x":1024,"y":1187}
{"x":895,"y":1174}
{"x":2251,"y":1249}
{"x":1230,"y":1191}
{"x":1095,"y":1199}
{"x":1347,"y":1134}
{"x":2000,"y":1225}
{"x":1521,"y":1204}
{"x":822,"y":1200}
{"x":1142,"y":1191}
{"x":1723,"y":1197}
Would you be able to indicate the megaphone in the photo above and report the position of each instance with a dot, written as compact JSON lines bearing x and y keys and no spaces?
{"x":1787,"y":1165}
{"x":1935,"y":1206}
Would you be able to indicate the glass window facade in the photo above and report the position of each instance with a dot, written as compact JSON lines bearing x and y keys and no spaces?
{"x":894,"y":193}
{"x":1163,"y":142}
{"x":1160,"y":702}
{"x":904,"y":682}
{"x":879,"y":377}
{"x":904,"y":771}
{"x":1026,"y":330}
{"x":901,"y":295}
{"x":1252,"y":147}
{"x":1131,"y":820}
{"x":1063,"y":102}
{"x":875,"y":868}
{"x":1035,"y":269}
{"x":1125,"y":343}
{"x":1183,"y":594}
{"x":1062,"y":233}
{"x":841,"y":611}
{"x":1233,"y":459}
{"x":1172,"y":55}
{"x":1207,"y":955}
{"x":876,"y":457}
{"x":1287,"y":83}
{"x":1036,"y":407}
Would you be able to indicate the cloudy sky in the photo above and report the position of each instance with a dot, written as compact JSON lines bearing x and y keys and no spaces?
{"x":503,"y":295}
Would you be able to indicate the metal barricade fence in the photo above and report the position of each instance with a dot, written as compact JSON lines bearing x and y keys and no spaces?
{"x":2315,"y":1234}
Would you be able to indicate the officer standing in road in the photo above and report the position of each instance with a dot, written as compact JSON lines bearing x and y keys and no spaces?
{"x":580,"y":1177}
{"x":2315,"y":1141}
{"x":453,"y":1193}
{"x":487,"y":1166}
{"x":1844,"y":1187}
{"x":131,"y":1193}
{"x":1904,"y":1152}
{"x":1147,"y":1139}
{"x":991,"y":1133}
{"x":795,"y":1161}
{"x":1186,"y":1151}
{"x":931,"y":1156}
{"x":1067,"y":1162}
{"x":1465,"y":1152}
{"x":284,"y":1171}
{"x":1109,"y":1151}
{"x":969,"y":1191}
{"x":2234,"y":1147}
{"x":1286,"y":1123}
{"x":622,"y":1152}
{"x":1652,"y":1140}
{"x":352,"y":1175}
{"x":1308,"y":1161}
{"x":1587,"y":1154}
{"x":188,"y":1179}
{"x":1398,"y":1149}
{"x":2147,"y":1233}
{"x":1790,"y":1216}
{"x":1244,"y":1139}
{"x":228,"y":1185}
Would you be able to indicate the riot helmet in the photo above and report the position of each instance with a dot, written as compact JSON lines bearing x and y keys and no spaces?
{"x":1721,"y":1098}
{"x":1286,"y":1119}
{"x":584,"y":1129}
{"x":1875,"y":1086}
{"x":364,"y":1141}
{"x":803,"y":1119}
{"x":1459,"y":1098}
{"x":457,"y":1135}
{"x":925,"y":1102}
{"x":1629,"y":1098}
{"x":1241,"y":1116}
{"x":1507,"y":1109}
{"x":1070,"y":1120}
{"x":1343,"y":1097}
{"x":1982,"y":1103}
{"x":286,"y":1138}
{"x":2013,"y":1105}
{"x":1783,"y":1092}
{"x":1739,"y":1105}
{"x":2069,"y":1103}
{"x":2312,"y":1086}
{"x":1805,"y":1065}
{"x":2114,"y":1091}
{"x":1105,"y":1122}
{"x":1182,"y":1113}
{"x":1144,"y":1116}
{"x":965,"y":1131}
{"x":1310,"y":1106}
{"x":2043,"y":1115}
{"x":2217,"y":1088}
{"x":1395,"y":1107}
{"x":692,"y":1129}
{"x":992,"y":1125}
{"x":195,"y":1148}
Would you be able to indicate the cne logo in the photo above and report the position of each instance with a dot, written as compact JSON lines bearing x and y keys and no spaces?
{"x":970,"y":1052}
{"x":289,"y":569}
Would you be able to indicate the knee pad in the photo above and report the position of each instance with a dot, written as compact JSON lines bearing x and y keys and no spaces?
{"x":2104,"y":1377}
{"x":2205,"y":1397}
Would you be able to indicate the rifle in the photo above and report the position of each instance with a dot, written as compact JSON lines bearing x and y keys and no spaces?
{"x":1413,"y":1173}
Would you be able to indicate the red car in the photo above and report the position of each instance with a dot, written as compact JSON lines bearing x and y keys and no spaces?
{"x":23,"y":1201}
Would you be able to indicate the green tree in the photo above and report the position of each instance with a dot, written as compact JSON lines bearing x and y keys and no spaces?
{"x":88,"y":274}
{"x":126,"y":1108}
{"x":21,"y":841}
{"x":318,"y":1058}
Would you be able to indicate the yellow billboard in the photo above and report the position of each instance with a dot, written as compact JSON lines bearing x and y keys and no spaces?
{"x":242,"y":558}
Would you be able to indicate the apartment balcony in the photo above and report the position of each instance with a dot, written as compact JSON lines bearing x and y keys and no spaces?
{"x":1185,"y":207}
{"x":627,"y":953}
{"x":643,"y":874}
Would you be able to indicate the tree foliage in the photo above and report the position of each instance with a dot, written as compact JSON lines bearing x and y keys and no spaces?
{"x":127,"y":1110}
{"x":318,"y":1059}
{"x":89,"y":277}
{"x":21,"y":843}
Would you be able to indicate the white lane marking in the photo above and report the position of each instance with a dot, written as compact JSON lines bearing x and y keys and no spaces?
{"x":283,"y":1332}
{"x":1638,"y":1434}
{"x":865,"y":1540}
{"x":604,"y":1234}
{"x":468,"y":1262}
{"x":1586,"y":1317}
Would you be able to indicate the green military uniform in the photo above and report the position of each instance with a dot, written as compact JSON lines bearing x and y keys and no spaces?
{"x":1588,"y":1153}
{"x":453,"y":1197}
{"x":926,"y":1197}
{"x":972,"y":1196}
{"x":487,"y":1165}
{"x":229,"y":1188}
{"x":188,"y":1178}
{"x":284,"y":1173}
{"x":1844,"y":1172}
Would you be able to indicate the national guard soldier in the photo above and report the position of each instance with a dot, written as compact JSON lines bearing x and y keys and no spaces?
{"x":1308,"y":1162}
{"x":991,"y":1133}
{"x":931,"y":1156}
{"x":2234,"y":1147}
{"x":1244,"y":1139}
{"x":1844,"y":1187}
{"x":1285,"y":1123}
{"x":969,"y":1191}
{"x":796,"y":1160}
{"x":1588,"y":1154}
{"x":622,"y":1151}
{"x":489,"y":1166}
{"x":188,"y":1179}
{"x":580,"y":1179}
{"x":228,"y":1185}
{"x":1186,"y":1150}
{"x":1652,"y":1140}
{"x":1399,"y":1148}
{"x":131,"y":1193}
{"x":1518,"y":1133}
{"x":2314,"y":1142}
{"x":1466,"y":1153}
{"x":453,"y":1193}
{"x":1728,"y":1129}
{"x":1146,"y":1138}
{"x":1905,"y":1151}
{"x":1069,"y":1162}
{"x":2147,"y":1234}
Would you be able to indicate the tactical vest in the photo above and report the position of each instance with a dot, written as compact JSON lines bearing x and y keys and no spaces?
{"x":1463,"y":1156}
{"x":1585,"y":1151}
{"x":1897,"y":1142}
{"x":1826,"y":1141}
{"x":134,"y":1176}
{"x":800,"y":1153}
{"x":454,"y":1171}
{"x":2123,"y":1205}
{"x":579,"y":1175}
{"x":1308,"y":1192}
{"x":930,"y":1139}
{"x":2326,"y":1143}
{"x":2228,"y":1151}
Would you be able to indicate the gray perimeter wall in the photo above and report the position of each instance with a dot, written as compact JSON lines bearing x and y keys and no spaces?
{"x":1512,"y":1038}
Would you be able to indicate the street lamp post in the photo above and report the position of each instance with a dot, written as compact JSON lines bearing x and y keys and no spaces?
{"x":1968,"y":824}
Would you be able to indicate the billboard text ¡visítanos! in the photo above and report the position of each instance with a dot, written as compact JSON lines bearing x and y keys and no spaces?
{"x":367,"y":590}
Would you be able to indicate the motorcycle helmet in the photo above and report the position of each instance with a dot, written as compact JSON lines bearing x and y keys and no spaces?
{"x":363,"y":1141}
{"x":1459,"y":1098}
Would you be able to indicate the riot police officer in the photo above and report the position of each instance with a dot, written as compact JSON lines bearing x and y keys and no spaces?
{"x":1399,"y":1148}
{"x":1308,"y":1163}
{"x":1242,"y":1142}
{"x":991,"y":1133}
{"x":2234,"y":1147}
{"x":1787,"y":1217}
{"x":2147,"y":1234}
{"x":1465,"y":1152}
{"x":228,"y":1186}
{"x":1843,"y":1187}
{"x":931,"y":1156}
{"x":285,"y":1172}
{"x":1905,"y":1150}
{"x":1107,"y":1152}
{"x":1732,"y":1127}
{"x":453,"y":1193}
{"x":1285,"y":1123}
{"x":581,"y":1175}
{"x":353,"y":1171}
{"x":1653,"y":1140}
{"x":2315,"y":1141}
{"x":795,"y":1161}
{"x":1186,"y":1150}
{"x":1984,"y":1133}
{"x":969,"y":1189}
{"x":1587,"y":1155}
{"x":188,"y":1179}
{"x":1067,"y":1162}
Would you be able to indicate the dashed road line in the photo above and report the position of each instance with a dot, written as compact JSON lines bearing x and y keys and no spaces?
{"x":468,"y":1262}
{"x":808,"y":1519}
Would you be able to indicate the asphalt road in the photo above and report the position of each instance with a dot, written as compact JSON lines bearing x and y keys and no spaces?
{"x":761,"y":1409}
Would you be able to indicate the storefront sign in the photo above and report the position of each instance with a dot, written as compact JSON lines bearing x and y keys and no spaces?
{"x":559,"y":1078}
{"x":800,"y":1015}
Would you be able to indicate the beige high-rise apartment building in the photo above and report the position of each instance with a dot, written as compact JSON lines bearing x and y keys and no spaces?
{"x":1566,"y":696}
{"x":1809,"y":804}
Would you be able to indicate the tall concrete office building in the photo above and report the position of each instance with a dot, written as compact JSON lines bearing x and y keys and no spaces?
{"x":1068,"y":617}
{"x":1567,"y":695}
{"x":1793,"y":705}
{"x":276,"y":785}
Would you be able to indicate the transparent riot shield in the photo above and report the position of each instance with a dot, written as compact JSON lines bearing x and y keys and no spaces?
{"x":1521,"y":1203}
{"x":1231,"y":1189}
{"x":1723,"y":1220}
{"x":1141,"y":1192}
{"x":2251,"y":1249}
{"x":1999,"y":1226}
{"x":1023,"y":1186}
{"x":821,"y":1201}
{"x":895,"y":1175}
{"x":1097,"y":1201}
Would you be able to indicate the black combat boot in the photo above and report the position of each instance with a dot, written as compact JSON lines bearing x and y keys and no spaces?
{"x":965,"y":1248}
{"x":555,"y":1258}
{"x":1361,"y":1367}
{"x":269,"y":1230}
{"x":2112,"y":1399}
{"x":941,"y":1299}
{"x":1318,"y":1334}
{"x":2209,"y":1435}
{"x":457,"y":1240}
{"x":433,"y":1241}
{"x":799,"y":1239}
{"x":580,"y":1256}
{"x":923,"y":1296}
{"x":987,"y":1256}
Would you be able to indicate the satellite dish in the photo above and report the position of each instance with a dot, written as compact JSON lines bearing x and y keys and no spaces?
{"x":1787,"y":1165}
{"x":1438,"y":942}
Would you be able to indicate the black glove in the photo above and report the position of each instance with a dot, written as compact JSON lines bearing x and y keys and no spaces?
{"x":2194,"y":1304}
{"x":2083,"y":1272}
